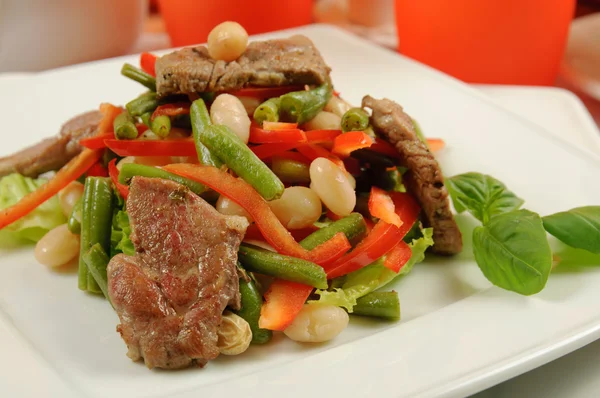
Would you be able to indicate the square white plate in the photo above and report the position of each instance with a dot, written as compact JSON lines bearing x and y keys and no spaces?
{"x":457,"y":335}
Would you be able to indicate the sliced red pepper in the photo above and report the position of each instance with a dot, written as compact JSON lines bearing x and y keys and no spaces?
{"x":109,"y":113}
{"x":384,"y":147}
{"x":266,"y":151}
{"x":435,"y":144}
{"x":322,"y":136}
{"x":97,"y":170}
{"x":398,"y":257}
{"x":174,"y":147}
{"x":336,"y":93}
{"x":381,"y":206}
{"x":96,"y":142}
{"x":274,"y":126}
{"x":312,"y":152}
{"x":345,"y":144}
{"x":370,"y":224}
{"x":332,"y":216}
{"x":266,"y":92}
{"x":254,"y":233}
{"x":270,"y":227}
{"x":175,"y":109}
{"x":148,"y":62}
{"x":262,"y":136}
{"x":141,"y":128}
{"x":283,"y":301}
{"x":68,"y":173}
{"x":382,"y":238}
{"x":113,"y":172}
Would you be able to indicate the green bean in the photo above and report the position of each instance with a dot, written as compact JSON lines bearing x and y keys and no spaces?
{"x":143,"y":104}
{"x":74,"y":222}
{"x":290,"y":171}
{"x":302,"y":106}
{"x":200,"y":119}
{"x":146,"y":118}
{"x":293,"y":269}
{"x":224,"y":143}
{"x":268,"y":111}
{"x":355,"y":119}
{"x":96,"y":225}
{"x":388,"y":180}
{"x":251,"y":304}
{"x":139,"y":76}
{"x":124,"y":127}
{"x":353,"y":226}
{"x":97,"y":260}
{"x":384,"y":305}
{"x":130,"y":170}
{"x":161,"y":126}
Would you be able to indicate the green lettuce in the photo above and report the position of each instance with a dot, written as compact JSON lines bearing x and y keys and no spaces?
{"x":374,"y":276}
{"x":33,"y":226}
{"x":119,"y":236}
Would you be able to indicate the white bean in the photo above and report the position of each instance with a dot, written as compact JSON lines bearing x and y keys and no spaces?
{"x":250,"y":104}
{"x":57,"y":247}
{"x":229,"y":111}
{"x":230,"y":208}
{"x":337,"y":105}
{"x":324,"y":121}
{"x":227,"y":41}
{"x":317,"y":323}
{"x":333,"y":186}
{"x":69,"y":195}
{"x":298,"y":207}
{"x":234,"y":334}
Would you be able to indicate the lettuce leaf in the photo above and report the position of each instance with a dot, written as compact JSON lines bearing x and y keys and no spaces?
{"x":34,"y":226}
{"x":119,"y":236}
{"x":374,"y":276}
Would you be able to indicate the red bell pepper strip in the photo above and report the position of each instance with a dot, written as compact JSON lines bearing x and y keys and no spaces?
{"x":174,"y":147}
{"x":270,"y":227}
{"x":385,"y":148}
{"x":97,"y":170}
{"x":346,"y":143}
{"x":113,"y":172}
{"x":435,"y":144}
{"x":70,"y":172}
{"x":274,"y":126}
{"x":175,"y":109}
{"x":382,"y":238}
{"x":148,"y":62}
{"x":263,"y":136}
{"x":253,"y":233}
{"x":283,"y":301}
{"x":266,"y":151}
{"x":322,"y":136}
{"x":266,"y":92}
{"x":141,"y":128}
{"x":312,"y":152}
{"x":332,"y":216}
{"x":381,"y":206}
{"x":109,"y":113}
{"x":96,"y":142}
{"x":398,"y":257}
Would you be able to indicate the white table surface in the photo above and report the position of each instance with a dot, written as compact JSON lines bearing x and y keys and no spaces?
{"x":576,"y":375}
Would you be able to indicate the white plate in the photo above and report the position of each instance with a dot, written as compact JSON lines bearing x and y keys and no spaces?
{"x":458,"y":335}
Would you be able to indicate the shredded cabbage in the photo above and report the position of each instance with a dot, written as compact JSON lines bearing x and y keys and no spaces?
{"x":119,"y":236}
{"x":374,"y":276}
{"x":33,"y":226}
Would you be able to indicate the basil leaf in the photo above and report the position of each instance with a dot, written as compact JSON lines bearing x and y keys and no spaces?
{"x":578,"y":228}
{"x":482,"y":195}
{"x":513,"y":253}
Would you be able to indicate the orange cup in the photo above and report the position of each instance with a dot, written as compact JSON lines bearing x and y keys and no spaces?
{"x":190,"y":21}
{"x":487,"y":41}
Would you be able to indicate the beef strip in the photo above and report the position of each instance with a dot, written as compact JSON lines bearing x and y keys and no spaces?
{"x":171,"y":294}
{"x":424,"y":177}
{"x":52,"y":153}
{"x":269,"y":63}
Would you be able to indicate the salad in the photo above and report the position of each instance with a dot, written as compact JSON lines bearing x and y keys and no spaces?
{"x":240,"y":195}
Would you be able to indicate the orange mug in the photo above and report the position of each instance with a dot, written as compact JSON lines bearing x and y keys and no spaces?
{"x":487,"y":41}
{"x":190,"y":21}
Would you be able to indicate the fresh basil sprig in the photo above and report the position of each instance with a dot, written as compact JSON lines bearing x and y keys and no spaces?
{"x":511,"y":247}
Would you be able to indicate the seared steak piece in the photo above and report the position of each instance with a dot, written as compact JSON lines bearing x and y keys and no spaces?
{"x":171,"y":294}
{"x":270,"y":63}
{"x":52,"y":153}
{"x":424,"y":177}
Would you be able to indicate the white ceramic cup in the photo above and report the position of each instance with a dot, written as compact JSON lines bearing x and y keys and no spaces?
{"x":43,"y":34}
